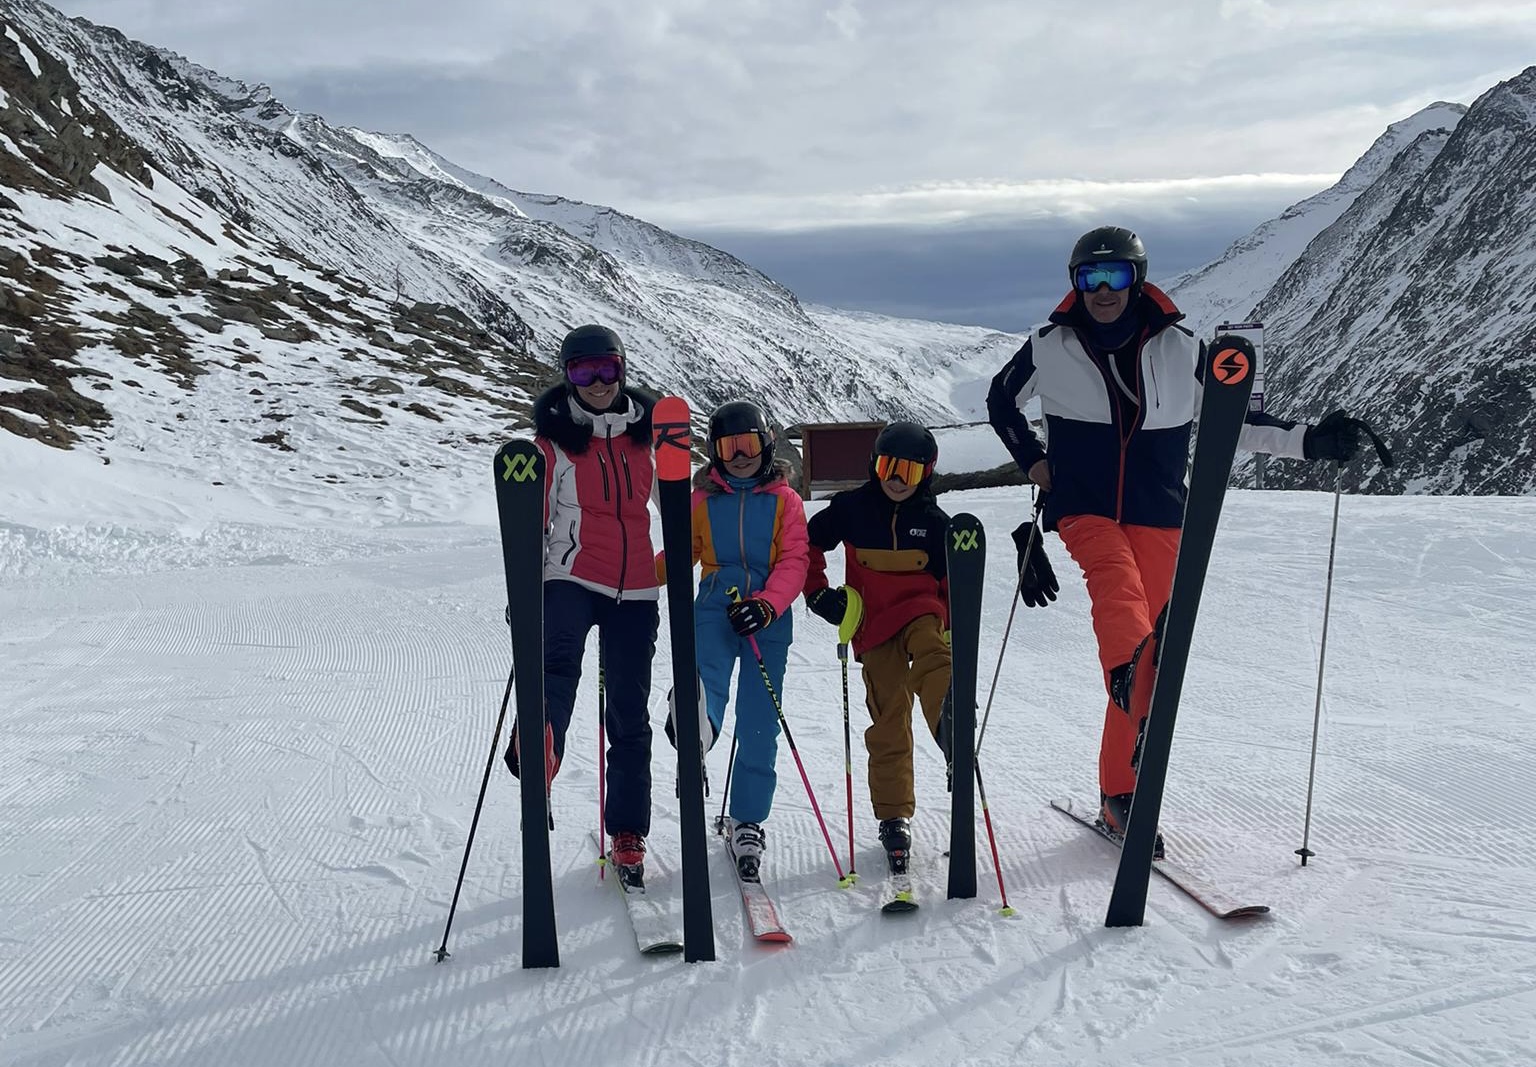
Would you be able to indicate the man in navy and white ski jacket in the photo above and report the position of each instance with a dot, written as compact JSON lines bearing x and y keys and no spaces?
{"x":1119,"y":380}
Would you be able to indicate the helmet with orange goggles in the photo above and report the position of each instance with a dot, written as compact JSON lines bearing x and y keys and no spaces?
{"x":905,"y":452}
{"x":739,"y":429}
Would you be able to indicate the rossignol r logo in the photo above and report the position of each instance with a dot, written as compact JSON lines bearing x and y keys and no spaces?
{"x":965,"y":540}
{"x":523,"y":468}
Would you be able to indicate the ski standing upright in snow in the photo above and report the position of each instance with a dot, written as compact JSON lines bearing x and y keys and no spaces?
{"x":966,"y":553}
{"x":674,"y":467}
{"x":1228,"y":383}
{"x":519,"y":472}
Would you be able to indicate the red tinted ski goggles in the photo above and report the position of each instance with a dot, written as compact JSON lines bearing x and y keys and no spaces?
{"x":1118,"y":274}
{"x":606,"y":369}
{"x":749,"y":444}
{"x":909,"y":471}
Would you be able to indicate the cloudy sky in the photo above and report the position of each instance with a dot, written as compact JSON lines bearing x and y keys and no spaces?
{"x":932,"y":159}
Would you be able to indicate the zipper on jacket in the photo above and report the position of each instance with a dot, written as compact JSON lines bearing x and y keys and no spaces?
{"x":602,"y":466}
{"x":629,"y":482}
{"x":567,"y":557}
{"x":741,"y":538}
{"x":619,"y":511}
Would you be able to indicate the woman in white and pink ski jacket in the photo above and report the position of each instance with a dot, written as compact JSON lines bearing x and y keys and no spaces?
{"x":595,"y":433}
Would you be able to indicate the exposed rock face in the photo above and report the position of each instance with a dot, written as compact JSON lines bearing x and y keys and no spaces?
{"x":1414,"y":308}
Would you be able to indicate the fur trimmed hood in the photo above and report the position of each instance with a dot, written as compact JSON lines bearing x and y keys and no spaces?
{"x":570,"y":426}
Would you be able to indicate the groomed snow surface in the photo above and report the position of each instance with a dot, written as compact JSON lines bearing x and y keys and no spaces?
{"x":238,"y":765}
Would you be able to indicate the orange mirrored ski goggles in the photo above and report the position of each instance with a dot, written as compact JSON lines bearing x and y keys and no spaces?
{"x":909,"y":471}
{"x":739,"y":444}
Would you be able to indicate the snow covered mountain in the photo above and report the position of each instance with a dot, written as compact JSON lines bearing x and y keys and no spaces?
{"x":191,"y":273}
{"x":1228,"y":288}
{"x":1403,"y":294}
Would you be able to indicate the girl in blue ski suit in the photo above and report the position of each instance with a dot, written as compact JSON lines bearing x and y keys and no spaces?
{"x":749,"y":537}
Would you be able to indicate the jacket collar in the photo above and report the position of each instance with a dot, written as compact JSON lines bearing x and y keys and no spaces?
{"x":1157,"y":310}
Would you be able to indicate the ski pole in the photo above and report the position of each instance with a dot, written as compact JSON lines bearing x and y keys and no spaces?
{"x":442,"y":950}
{"x":1322,"y":656}
{"x":729,"y":767}
{"x":602,"y":766}
{"x":1029,"y":546}
{"x":852,"y":875}
{"x":853,"y":614}
{"x":1384,"y":454}
{"x":762,"y":668}
{"x":986,"y":814}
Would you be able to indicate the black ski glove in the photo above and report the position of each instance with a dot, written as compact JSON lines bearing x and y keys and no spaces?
{"x":1337,"y":436}
{"x":750,"y":615}
{"x":1037,"y":581}
{"x":829,"y":604}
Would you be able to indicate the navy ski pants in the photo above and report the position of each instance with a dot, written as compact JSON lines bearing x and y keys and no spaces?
{"x":626,"y":631}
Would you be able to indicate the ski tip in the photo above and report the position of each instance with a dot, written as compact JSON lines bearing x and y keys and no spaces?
{"x":1249,"y":911}
{"x":662,"y":948}
{"x":900,"y":905}
{"x":775,"y":937}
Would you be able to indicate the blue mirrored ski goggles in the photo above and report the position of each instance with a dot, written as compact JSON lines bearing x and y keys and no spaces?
{"x":1118,"y":274}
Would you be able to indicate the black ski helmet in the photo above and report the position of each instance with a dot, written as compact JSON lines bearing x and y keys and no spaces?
{"x":592,"y":340}
{"x":1105,"y":243}
{"x":740,"y":416}
{"x":906,"y":440}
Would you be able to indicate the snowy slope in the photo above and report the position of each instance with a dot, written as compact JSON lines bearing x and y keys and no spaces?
{"x":240,"y":763}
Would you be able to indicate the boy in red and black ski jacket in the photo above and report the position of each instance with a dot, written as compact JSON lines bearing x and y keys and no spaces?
{"x":892,"y":533}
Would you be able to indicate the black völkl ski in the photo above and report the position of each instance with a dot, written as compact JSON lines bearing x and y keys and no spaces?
{"x":1198,"y":888}
{"x":1228,"y":372}
{"x":965,"y":564}
{"x":519,"y":473}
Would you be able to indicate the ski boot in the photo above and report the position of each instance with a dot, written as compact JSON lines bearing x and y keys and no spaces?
{"x":626,"y":852}
{"x":896,"y":838}
{"x":1115,"y":816}
{"x":746,"y":845}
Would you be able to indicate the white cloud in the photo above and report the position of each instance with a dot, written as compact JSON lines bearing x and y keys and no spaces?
{"x":809,"y":109}
{"x":940,"y":203}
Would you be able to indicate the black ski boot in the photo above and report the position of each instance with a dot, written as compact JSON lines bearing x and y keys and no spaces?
{"x":896,"y":838}
{"x":1115,"y":816}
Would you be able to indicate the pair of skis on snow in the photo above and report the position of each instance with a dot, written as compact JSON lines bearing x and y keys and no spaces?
{"x":654,"y":921}
{"x":1227,"y":372}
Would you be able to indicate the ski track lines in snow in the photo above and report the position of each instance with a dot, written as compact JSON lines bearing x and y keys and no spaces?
{"x":233,"y":801}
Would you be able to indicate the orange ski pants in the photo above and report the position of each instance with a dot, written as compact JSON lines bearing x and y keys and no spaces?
{"x":1129,"y":570}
